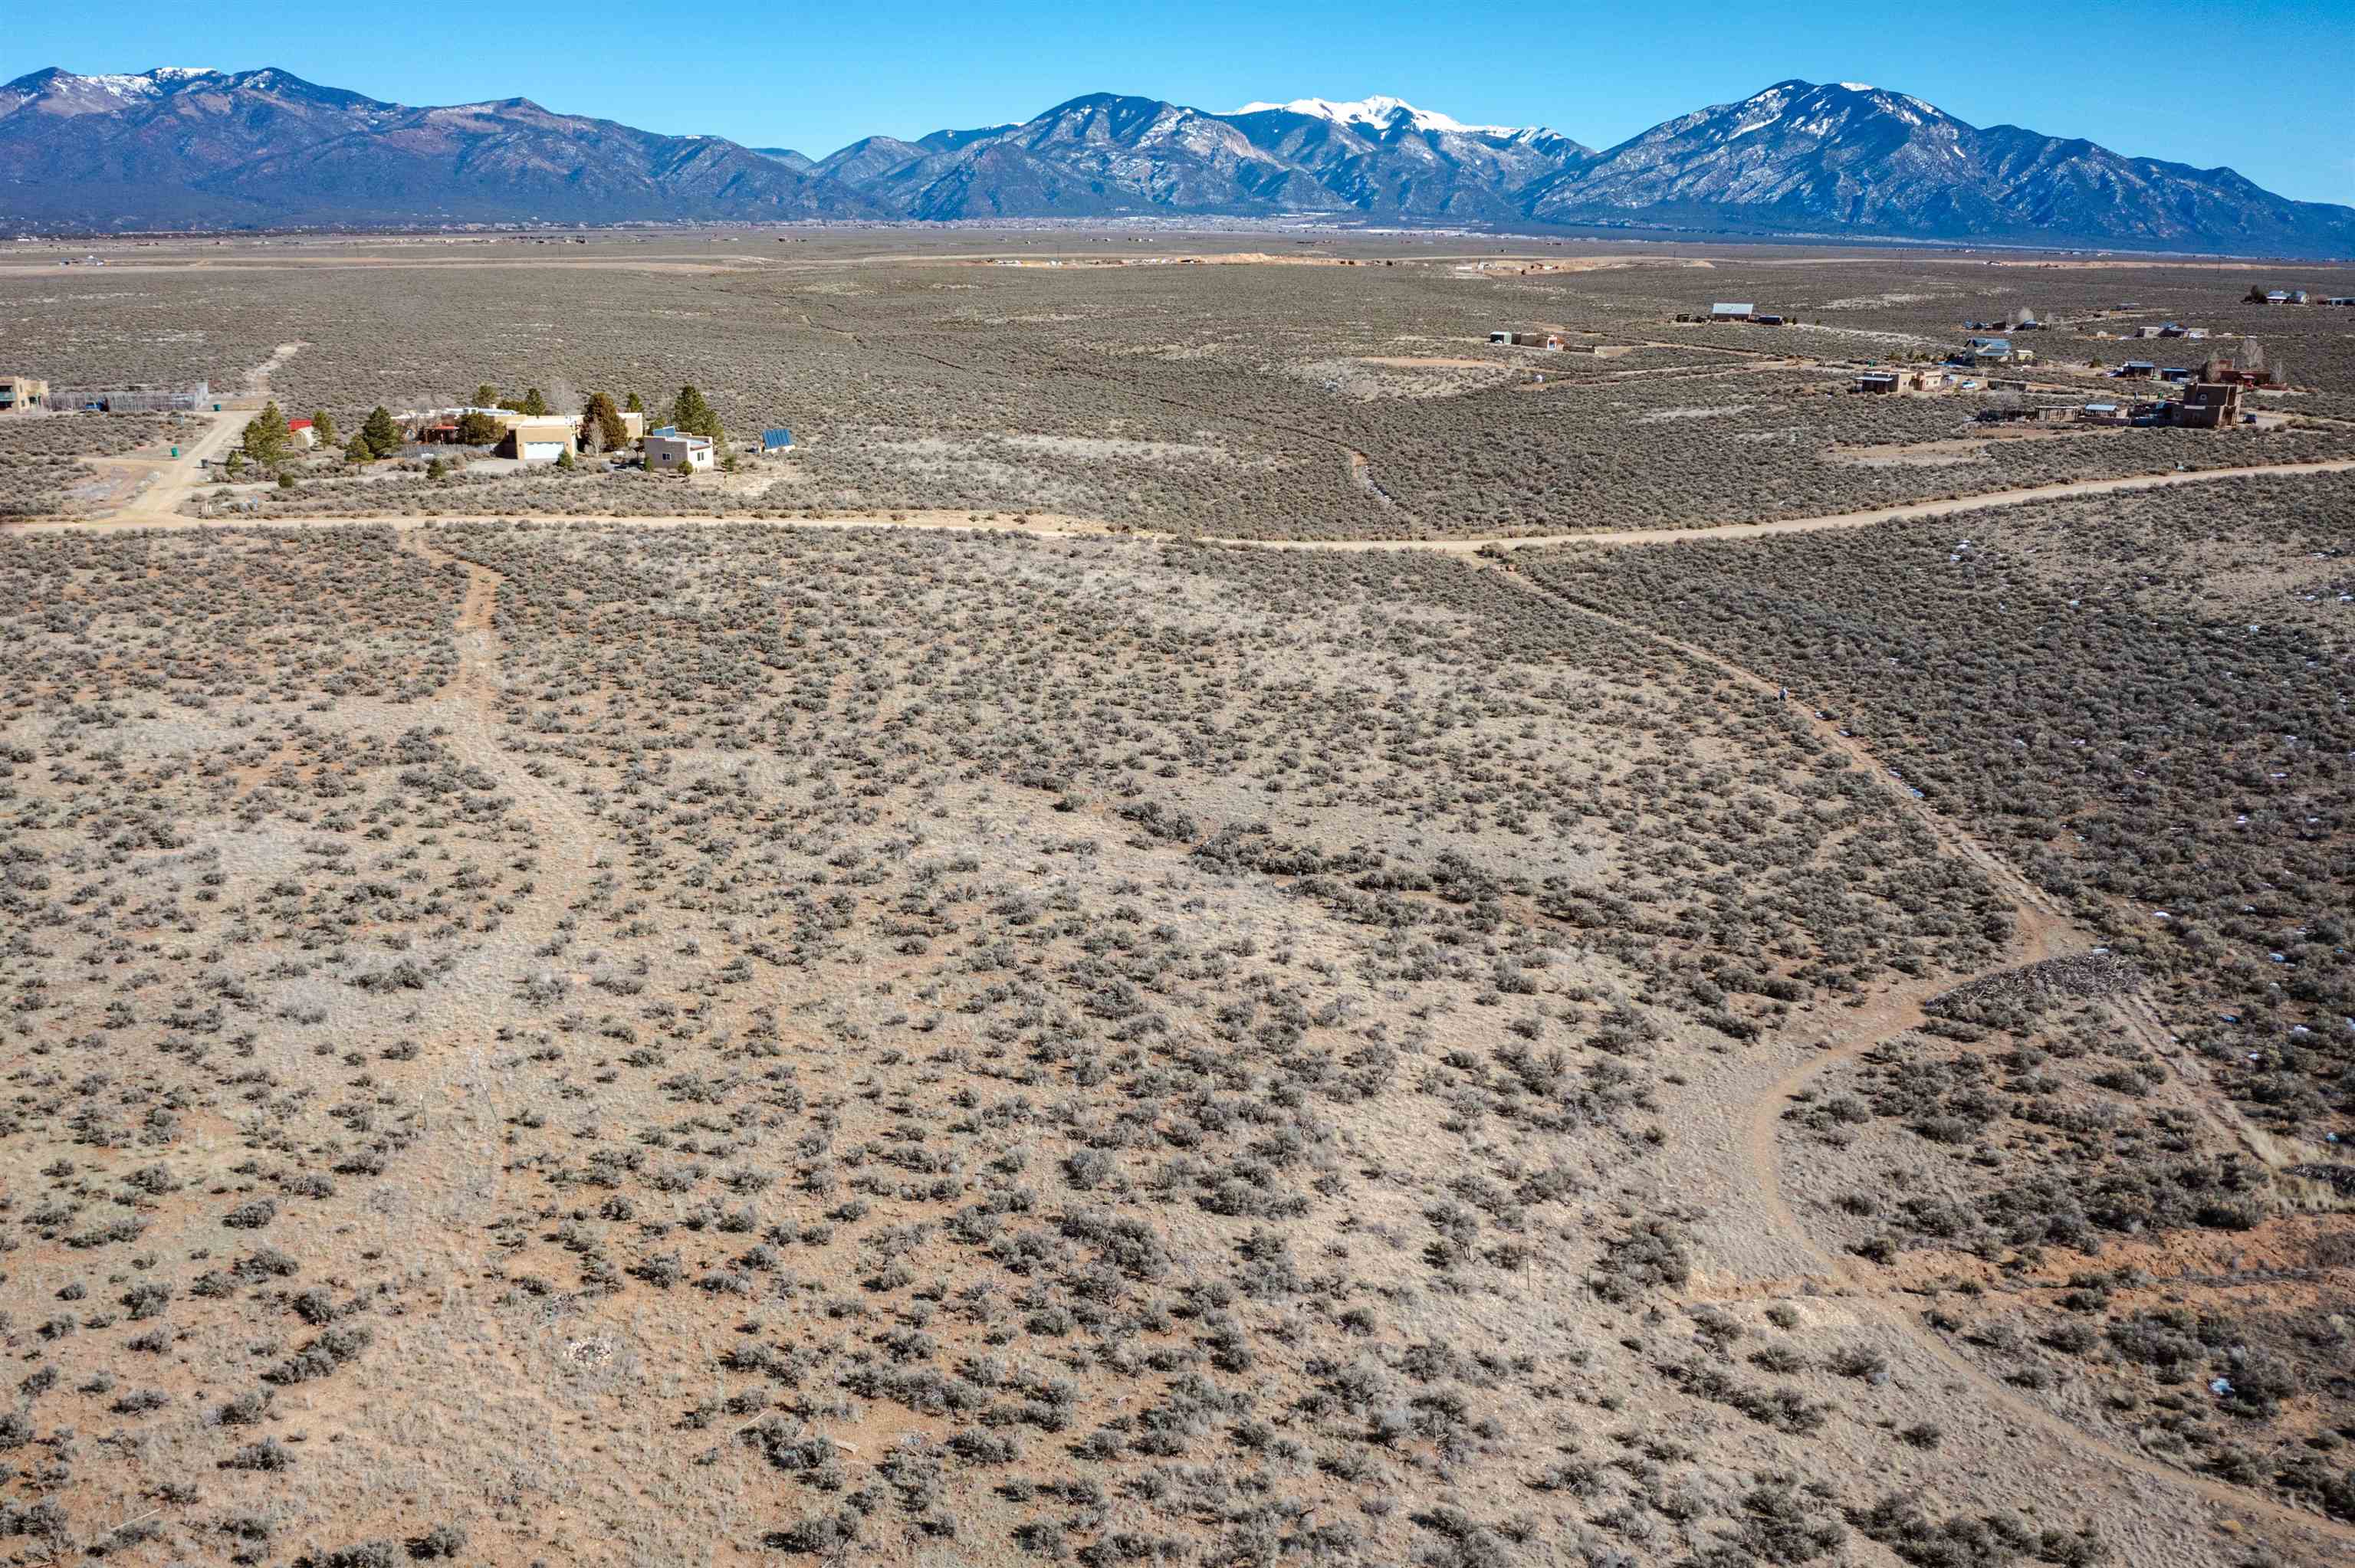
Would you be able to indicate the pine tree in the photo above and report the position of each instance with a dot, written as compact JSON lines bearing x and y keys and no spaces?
{"x":535,"y":402}
{"x":358,"y":450}
{"x":486,"y":396}
{"x":634,"y":405}
{"x":382,"y":432}
{"x":265,"y":437}
{"x":694,"y":417}
{"x":602,"y":430}
{"x":323,"y":425}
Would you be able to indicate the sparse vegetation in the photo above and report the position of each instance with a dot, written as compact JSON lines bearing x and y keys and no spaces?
{"x":585,"y":1042}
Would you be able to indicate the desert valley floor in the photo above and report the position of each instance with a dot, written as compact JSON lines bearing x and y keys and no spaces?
{"x":1220,"y":923}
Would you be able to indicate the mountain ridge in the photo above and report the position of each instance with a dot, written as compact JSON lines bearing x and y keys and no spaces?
{"x":186,"y":147}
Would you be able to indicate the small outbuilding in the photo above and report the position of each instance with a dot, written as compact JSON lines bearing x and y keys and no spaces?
{"x":665,"y":452}
{"x":779,"y":440}
{"x":1731,"y":313}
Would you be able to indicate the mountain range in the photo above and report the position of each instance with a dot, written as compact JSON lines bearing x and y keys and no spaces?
{"x":178,"y":148}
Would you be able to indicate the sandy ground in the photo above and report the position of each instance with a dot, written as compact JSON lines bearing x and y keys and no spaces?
{"x":1756,"y":1247}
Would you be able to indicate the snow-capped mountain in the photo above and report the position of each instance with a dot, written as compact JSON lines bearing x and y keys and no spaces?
{"x":1381,"y":112}
{"x":1853,"y":158}
{"x":187,"y":147}
{"x":1105,"y":154}
{"x":181,"y":147}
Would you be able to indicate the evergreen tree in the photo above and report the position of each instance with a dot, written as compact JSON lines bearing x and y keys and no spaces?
{"x":486,"y":396}
{"x":265,"y":437}
{"x":357,"y":451}
{"x":323,"y":425}
{"x":634,"y":405}
{"x":602,"y":430}
{"x":382,"y":432}
{"x":479,"y":429}
{"x":694,"y":417}
{"x":535,"y":402}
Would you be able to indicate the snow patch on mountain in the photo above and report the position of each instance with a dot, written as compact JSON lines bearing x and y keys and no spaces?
{"x":1380,"y":112}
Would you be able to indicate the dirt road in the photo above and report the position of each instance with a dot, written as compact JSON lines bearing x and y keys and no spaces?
{"x":144,"y":514}
{"x":177,"y":477}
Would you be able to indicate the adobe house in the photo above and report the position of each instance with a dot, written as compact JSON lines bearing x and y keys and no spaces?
{"x":541,"y":440}
{"x":675,"y":452}
{"x":21,"y":392}
{"x":2210,"y":405}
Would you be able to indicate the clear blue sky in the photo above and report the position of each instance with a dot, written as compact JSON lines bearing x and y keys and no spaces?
{"x":2137,"y":76}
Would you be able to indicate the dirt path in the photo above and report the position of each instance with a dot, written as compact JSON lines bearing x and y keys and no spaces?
{"x":140,"y":514}
{"x":2042,"y":932}
{"x":564,"y":836}
{"x":178,"y":478}
{"x":467,"y":716}
{"x":1903,"y":512}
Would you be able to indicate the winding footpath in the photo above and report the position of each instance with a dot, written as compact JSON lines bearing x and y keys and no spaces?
{"x":2041,"y":931}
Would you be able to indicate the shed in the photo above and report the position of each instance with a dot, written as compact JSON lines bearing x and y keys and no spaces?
{"x":2135,"y":369}
{"x":777,"y":440}
{"x":1731,"y":313}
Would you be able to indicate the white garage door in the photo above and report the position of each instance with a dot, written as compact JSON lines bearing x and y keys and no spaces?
{"x":542,"y":451}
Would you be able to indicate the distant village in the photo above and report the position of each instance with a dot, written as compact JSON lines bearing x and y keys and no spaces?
{"x":2208,"y":395}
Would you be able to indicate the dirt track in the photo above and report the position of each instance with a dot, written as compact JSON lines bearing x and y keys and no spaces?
{"x":140,"y":514}
{"x":2042,"y":932}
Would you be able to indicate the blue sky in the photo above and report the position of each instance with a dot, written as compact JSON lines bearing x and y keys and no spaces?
{"x":2136,"y":76}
